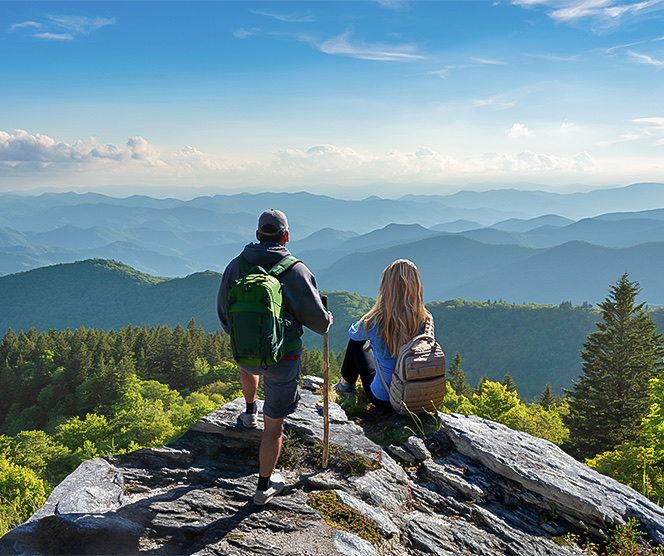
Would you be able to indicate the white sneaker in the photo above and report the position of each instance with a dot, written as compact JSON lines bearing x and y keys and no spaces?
{"x":277,"y":484}
{"x":249,"y":420}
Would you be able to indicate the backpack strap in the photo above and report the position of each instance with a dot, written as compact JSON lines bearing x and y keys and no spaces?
{"x":283,"y":265}
{"x":387,"y":388}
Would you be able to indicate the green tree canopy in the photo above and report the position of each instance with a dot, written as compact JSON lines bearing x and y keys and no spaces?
{"x":611,"y":398}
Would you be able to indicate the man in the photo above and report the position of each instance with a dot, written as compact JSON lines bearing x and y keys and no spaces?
{"x":303,"y":306}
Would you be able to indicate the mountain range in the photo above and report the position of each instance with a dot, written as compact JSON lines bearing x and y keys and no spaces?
{"x":509,"y":244}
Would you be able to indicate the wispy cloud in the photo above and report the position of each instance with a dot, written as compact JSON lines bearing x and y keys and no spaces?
{"x":653,"y":128}
{"x":243,"y":33}
{"x":58,"y":27}
{"x":343,"y":45}
{"x":498,"y":102}
{"x":656,"y":127}
{"x":443,"y":73}
{"x":488,"y":62}
{"x":392,"y":4}
{"x":645,"y":59}
{"x":624,"y":138}
{"x":519,"y":130}
{"x":289,"y":18}
{"x":24,"y":25}
{"x":54,"y":36}
{"x":603,"y":13}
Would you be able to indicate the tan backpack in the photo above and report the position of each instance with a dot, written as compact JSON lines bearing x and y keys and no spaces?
{"x":418,"y":382}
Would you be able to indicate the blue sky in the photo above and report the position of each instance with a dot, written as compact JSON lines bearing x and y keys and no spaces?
{"x":349,"y":98}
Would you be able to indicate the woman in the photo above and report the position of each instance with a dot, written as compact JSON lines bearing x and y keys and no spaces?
{"x":397,"y":316}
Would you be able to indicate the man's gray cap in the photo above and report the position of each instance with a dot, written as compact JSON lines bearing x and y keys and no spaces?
{"x":272,"y":222}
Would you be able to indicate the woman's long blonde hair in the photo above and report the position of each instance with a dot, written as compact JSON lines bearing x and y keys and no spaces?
{"x":399,"y":310}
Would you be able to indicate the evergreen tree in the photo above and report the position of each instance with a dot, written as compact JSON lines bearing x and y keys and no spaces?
{"x":508,"y":383}
{"x":547,"y":399}
{"x":457,"y":378}
{"x":611,"y":398}
{"x":480,"y":385}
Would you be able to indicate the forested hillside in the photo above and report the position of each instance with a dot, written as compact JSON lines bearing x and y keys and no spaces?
{"x":535,"y":344}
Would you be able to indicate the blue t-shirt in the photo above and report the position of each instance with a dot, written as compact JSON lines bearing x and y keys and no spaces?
{"x":381,"y":355}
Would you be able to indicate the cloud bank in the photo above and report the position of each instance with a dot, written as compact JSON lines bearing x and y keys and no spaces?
{"x":25,"y":156}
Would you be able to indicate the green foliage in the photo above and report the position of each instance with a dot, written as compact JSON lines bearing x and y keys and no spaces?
{"x":535,"y":344}
{"x":71,"y":396}
{"x":456,"y":377}
{"x":21,"y":493}
{"x":456,"y":403}
{"x":611,"y":398}
{"x":494,"y":401}
{"x":625,"y":540}
{"x":547,"y":399}
{"x":635,"y":466}
{"x":653,"y":424}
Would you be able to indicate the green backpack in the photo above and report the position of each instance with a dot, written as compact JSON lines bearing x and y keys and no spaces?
{"x":255,"y":312}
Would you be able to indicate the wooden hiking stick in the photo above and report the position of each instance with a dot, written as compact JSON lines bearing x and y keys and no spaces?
{"x":326,"y":394}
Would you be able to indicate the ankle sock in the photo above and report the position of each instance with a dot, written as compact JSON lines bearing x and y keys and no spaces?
{"x":250,"y":407}
{"x":263,"y":483}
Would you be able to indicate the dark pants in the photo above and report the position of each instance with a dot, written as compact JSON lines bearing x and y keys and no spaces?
{"x":360,"y":363}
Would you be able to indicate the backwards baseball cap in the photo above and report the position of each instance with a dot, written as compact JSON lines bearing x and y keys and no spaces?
{"x":272,"y":222}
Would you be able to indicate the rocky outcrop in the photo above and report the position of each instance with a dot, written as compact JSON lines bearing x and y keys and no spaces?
{"x":474,"y":487}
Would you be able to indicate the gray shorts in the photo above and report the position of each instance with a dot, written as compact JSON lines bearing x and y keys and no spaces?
{"x":280,"y":383}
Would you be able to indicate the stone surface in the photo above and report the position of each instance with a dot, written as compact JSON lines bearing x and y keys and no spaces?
{"x":415,"y":445}
{"x":487,"y":490}
{"x":544,"y":470}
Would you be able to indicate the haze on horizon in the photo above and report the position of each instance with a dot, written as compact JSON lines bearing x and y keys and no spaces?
{"x":353,"y":98}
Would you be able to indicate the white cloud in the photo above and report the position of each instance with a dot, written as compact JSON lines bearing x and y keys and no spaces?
{"x":342,"y":45}
{"x":79,"y":25}
{"x":488,"y":62}
{"x":645,"y":59}
{"x":498,"y":102}
{"x":658,"y":123}
{"x":566,"y":124}
{"x":21,"y":147}
{"x":519,"y":130}
{"x":35,"y":158}
{"x":654,"y":128}
{"x":392,"y":4}
{"x":604,"y":13}
{"x":289,"y":18}
{"x":624,"y":138}
{"x":24,"y":25}
{"x":242,"y":33}
{"x":59,"y":27}
{"x":54,"y":36}
{"x":442,"y":73}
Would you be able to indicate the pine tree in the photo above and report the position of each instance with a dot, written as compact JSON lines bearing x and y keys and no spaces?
{"x":508,"y":383}
{"x":480,"y":385}
{"x":611,"y":398}
{"x":457,"y":378}
{"x":547,"y":399}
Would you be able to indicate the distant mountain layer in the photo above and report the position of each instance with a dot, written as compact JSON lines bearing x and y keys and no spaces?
{"x":536,"y":344}
{"x":501,"y":244}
